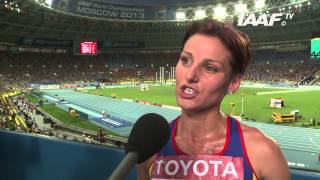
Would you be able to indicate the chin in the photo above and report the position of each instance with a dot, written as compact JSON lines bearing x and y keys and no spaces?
{"x":187,"y":106}
{"x":196,"y":108}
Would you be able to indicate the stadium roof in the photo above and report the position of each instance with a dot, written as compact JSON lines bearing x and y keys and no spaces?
{"x":192,"y":2}
{"x":156,"y":2}
{"x":39,"y":23}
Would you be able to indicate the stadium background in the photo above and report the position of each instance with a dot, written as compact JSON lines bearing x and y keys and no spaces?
{"x":40,"y":49}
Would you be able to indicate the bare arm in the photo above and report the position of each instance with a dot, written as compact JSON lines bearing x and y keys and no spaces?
{"x":265,"y":156}
{"x":277,"y":165}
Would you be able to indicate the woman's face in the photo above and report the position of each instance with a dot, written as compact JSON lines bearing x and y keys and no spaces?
{"x":203,"y":74}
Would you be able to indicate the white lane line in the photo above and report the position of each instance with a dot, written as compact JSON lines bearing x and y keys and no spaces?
{"x":314,"y":143}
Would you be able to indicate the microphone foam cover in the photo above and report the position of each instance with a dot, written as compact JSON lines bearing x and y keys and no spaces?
{"x":148,"y":135}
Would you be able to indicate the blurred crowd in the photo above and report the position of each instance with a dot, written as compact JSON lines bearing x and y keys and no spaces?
{"x":48,"y":68}
{"x":282,"y":73}
{"x":273,"y":67}
{"x":54,"y":68}
{"x":10,"y":115}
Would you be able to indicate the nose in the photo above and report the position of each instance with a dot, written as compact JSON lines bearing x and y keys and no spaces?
{"x":192,"y":75}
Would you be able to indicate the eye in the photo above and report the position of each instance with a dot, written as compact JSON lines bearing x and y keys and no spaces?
{"x":185,"y":60}
{"x":210,"y":68}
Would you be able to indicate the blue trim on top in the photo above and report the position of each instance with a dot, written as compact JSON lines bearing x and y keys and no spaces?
{"x":236,"y":149}
{"x":168,"y":148}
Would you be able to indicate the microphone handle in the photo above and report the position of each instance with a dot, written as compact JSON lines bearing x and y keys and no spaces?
{"x":125,"y":166}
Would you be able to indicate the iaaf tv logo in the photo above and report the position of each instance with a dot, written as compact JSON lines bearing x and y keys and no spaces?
{"x":265,"y":19}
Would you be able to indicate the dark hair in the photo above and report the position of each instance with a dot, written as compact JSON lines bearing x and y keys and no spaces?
{"x":237,"y":42}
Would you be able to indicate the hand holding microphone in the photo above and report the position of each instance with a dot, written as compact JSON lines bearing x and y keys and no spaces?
{"x":148,"y":135}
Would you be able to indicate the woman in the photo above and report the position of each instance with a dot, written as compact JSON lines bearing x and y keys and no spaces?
{"x":205,"y":143}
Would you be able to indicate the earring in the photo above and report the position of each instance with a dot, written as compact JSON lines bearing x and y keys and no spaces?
{"x":230,"y":92}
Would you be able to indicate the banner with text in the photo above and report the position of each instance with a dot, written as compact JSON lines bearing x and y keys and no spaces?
{"x":102,"y":9}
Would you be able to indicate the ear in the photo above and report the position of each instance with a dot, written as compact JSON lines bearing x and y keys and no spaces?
{"x":235,"y":83}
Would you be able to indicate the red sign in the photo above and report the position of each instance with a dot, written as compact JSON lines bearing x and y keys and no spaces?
{"x":88,"y":47}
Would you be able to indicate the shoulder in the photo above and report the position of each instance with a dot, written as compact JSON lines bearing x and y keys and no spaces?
{"x":264,"y":154}
{"x":254,"y":134}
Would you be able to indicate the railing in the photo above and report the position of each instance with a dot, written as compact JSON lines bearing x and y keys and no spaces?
{"x":308,"y":80}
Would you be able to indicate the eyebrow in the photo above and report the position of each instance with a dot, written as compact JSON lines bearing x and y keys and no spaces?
{"x":211,"y":60}
{"x":188,"y":53}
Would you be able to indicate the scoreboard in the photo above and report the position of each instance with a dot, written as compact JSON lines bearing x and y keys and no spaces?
{"x":315,"y":49}
{"x":88,"y":47}
{"x":85,"y":47}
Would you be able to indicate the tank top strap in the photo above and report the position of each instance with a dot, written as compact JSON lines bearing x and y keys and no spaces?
{"x":234,"y":140}
{"x":237,"y":148}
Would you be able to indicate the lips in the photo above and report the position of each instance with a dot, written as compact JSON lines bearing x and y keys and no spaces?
{"x":188,"y":92}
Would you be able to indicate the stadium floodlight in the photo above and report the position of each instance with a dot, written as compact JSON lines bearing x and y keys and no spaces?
{"x":219,"y":12}
{"x":180,"y":15}
{"x":240,"y":8}
{"x":200,"y":13}
{"x":259,"y":4}
{"x":48,"y":2}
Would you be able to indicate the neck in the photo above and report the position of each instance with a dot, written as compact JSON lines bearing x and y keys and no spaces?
{"x":197,"y":126}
